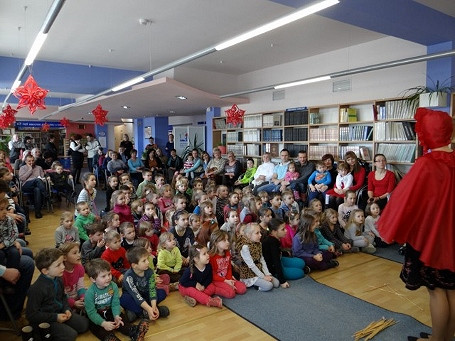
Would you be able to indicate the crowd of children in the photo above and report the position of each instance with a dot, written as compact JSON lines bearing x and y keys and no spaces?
{"x":207,"y":243}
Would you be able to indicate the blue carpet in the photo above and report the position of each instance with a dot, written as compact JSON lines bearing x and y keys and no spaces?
{"x":390,"y":253}
{"x":309,"y":310}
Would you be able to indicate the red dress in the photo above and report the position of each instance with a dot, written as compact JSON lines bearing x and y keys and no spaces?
{"x":421,"y":211}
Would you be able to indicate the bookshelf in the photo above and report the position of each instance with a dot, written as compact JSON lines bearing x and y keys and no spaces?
{"x":366,"y":128}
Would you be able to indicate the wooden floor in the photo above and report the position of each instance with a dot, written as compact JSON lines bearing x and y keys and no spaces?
{"x":367,"y":277}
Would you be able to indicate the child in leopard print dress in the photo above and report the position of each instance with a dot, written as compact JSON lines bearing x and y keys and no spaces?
{"x":253,"y":269}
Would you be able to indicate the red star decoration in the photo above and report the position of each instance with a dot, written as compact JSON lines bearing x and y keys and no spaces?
{"x":7,"y":117}
{"x":45,"y":127}
{"x":65,"y":122}
{"x":234,"y":115}
{"x":100,"y":115}
{"x":31,"y":95}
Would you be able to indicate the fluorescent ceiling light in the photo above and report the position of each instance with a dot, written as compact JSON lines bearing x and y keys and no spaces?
{"x":128,"y":83}
{"x":37,"y":44}
{"x":277,"y":23}
{"x":16,"y":84}
{"x":181,"y":97}
{"x":302,"y":82}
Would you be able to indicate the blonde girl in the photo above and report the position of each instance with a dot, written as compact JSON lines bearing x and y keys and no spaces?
{"x":355,"y":231}
{"x":330,"y":229}
{"x":73,"y":275}
{"x":196,"y":283}
{"x":66,"y":232}
{"x":169,"y":257}
{"x":373,"y":210}
{"x":345,"y":209}
{"x":88,"y":193}
{"x":291,"y":220}
{"x":137,"y":209}
{"x":195,"y":223}
{"x":118,"y":201}
{"x":208,"y":223}
{"x":220,"y":260}
{"x":162,"y":281}
{"x":251,"y":208}
{"x":305,"y":246}
{"x":165,"y":200}
{"x":145,"y":230}
{"x":253,"y":268}
{"x":112,"y":221}
{"x":315,"y":205}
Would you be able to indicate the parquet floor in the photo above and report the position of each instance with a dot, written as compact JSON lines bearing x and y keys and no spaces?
{"x":367,"y":277}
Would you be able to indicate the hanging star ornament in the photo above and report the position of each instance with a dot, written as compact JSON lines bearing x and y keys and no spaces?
{"x":45,"y":127}
{"x":100,"y":115}
{"x":234,"y":115}
{"x":7,"y":117}
{"x":65,"y":122}
{"x":31,"y":95}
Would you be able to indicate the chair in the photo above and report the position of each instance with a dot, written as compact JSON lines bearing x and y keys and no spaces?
{"x":70,"y":197}
{"x":25,"y":197}
{"x":15,"y":326}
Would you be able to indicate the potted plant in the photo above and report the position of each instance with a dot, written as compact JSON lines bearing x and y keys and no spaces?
{"x":428,"y":96}
{"x":195,"y":144}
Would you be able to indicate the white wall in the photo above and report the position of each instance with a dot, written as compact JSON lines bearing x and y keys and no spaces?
{"x":387,"y":83}
{"x":186,"y":120}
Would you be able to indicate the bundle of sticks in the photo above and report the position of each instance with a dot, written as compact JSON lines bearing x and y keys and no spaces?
{"x":373,"y":329}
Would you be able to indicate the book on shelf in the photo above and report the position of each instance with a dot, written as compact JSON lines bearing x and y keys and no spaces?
{"x":296,"y":116}
{"x":348,"y":115}
{"x":220,"y":123}
{"x":398,"y":152}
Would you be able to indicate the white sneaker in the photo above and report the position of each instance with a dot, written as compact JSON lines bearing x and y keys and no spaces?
{"x":369,"y":249}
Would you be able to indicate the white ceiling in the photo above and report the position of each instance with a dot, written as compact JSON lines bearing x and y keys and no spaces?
{"x":108,"y":33}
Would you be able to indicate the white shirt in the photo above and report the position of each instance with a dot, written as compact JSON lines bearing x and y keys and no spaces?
{"x":265,"y":169}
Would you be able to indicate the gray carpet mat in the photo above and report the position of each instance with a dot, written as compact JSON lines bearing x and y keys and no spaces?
{"x":309,"y":310}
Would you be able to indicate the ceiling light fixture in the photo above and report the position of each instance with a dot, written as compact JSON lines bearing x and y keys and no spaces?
{"x":374,"y":67}
{"x":311,"y":9}
{"x":125,"y":107}
{"x":302,"y":82}
{"x":277,"y":23}
{"x":128,"y":83}
{"x":181,"y":97}
{"x":37,"y":44}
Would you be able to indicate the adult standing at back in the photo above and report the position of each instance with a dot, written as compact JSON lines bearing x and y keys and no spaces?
{"x":169,"y":145}
{"x":92,"y":147}
{"x":77,"y":156}
{"x":50,"y":148}
{"x":128,"y":145}
{"x":17,"y":146}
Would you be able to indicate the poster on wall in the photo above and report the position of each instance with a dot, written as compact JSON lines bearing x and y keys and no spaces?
{"x":147,"y":132}
{"x":192,"y":136}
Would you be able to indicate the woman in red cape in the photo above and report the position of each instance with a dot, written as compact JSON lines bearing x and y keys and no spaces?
{"x":421,"y":213}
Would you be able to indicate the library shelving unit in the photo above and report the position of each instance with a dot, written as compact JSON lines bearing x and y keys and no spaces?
{"x":379,"y":126}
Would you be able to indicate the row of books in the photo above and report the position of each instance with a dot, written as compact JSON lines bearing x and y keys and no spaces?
{"x":272,"y":148}
{"x":294,"y":149}
{"x":237,"y":149}
{"x":316,"y":152}
{"x":397,"y":152}
{"x":356,"y":133}
{"x":272,"y":135}
{"x":252,"y":121}
{"x":362,"y":152}
{"x":296,"y":116}
{"x":220,"y":123}
{"x":271,"y":120}
{"x":251,"y":135}
{"x":395,"y":131}
{"x":252,"y":149}
{"x":324,"y":134}
{"x":295,"y":134}
{"x":234,"y":136}
{"x":393,"y":110}
{"x":348,"y":115}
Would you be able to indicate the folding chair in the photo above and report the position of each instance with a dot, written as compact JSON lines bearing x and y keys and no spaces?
{"x":15,"y":326}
